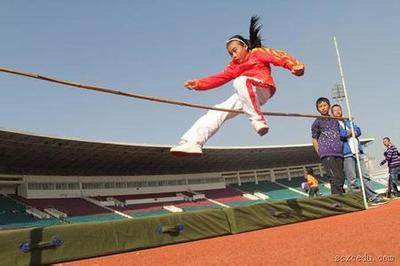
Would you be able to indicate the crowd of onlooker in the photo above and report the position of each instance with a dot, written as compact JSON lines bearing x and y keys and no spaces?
{"x":335,"y":139}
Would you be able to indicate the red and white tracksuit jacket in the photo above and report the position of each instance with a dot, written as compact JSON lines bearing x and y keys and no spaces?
{"x":253,"y":84}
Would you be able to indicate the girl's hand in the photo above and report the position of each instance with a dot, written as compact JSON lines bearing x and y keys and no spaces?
{"x":191,"y":84}
{"x":298,"y":70}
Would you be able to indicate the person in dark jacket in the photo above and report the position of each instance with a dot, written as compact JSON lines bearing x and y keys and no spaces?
{"x":392,"y":158}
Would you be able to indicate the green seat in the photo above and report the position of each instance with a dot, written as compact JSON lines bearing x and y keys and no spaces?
{"x":94,"y":218}
{"x":275,"y":192}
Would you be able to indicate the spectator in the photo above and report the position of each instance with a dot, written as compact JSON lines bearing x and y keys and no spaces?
{"x":393,"y":161}
{"x":351,"y":143}
{"x":327,"y":143}
{"x":311,"y":186}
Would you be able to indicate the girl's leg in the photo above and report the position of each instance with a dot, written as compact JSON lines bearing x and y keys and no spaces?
{"x":207,"y":125}
{"x":252,"y":98}
{"x":248,"y":98}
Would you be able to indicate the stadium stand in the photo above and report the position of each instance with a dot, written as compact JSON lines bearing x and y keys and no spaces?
{"x":296,"y":182}
{"x":14,"y":215}
{"x":274,"y":191}
{"x":69,"y":206}
{"x":197,"y":205}
{"x":100,"y":181}
{"x":94,"y":218}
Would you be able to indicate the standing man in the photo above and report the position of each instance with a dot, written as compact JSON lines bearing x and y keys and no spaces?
{"x":327,"y":143}
{"x":350,"y":143}
{"x":393,"y":160}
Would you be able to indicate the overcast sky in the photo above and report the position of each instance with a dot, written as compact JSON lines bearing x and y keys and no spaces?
{"x":152,"y":47}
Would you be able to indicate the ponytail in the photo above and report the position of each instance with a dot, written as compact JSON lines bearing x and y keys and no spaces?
{"x":254,"y":40}
{"x":254,"y":33}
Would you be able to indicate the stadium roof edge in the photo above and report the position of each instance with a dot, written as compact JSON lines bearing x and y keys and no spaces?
{"x":38,"y":154}
{"x":364,"y":140}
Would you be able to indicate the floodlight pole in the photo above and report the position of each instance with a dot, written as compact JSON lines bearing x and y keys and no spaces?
{"x":337,"y":93}
{"x":351,"y":124}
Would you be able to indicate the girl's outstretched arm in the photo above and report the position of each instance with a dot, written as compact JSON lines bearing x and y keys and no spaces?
{"x":210,"y":82}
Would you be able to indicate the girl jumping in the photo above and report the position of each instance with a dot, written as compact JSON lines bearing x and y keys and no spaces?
{"x":250,"y":71}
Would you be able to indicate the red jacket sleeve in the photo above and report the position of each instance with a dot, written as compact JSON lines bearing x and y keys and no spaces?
{"x":277,"y":58}
{"x":216,"y":80}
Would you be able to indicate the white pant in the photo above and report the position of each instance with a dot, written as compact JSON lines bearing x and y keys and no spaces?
{"x":247,"y":98}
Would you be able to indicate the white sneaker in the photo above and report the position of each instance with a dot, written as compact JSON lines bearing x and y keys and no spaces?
{"x":261,"y":127}
{"x":186,"y":149}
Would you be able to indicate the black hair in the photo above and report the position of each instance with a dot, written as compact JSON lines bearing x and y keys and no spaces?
{"x":320,"y":100}
{"x":336,"y":105}
{"x":240,"y":37}
{"x":309,"y":171}
{"x":254,"y":33}
{"x":386,"y":138}
{"x":254,"y":40}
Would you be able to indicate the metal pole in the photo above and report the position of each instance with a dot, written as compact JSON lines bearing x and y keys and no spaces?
{"x":351,"y":124}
